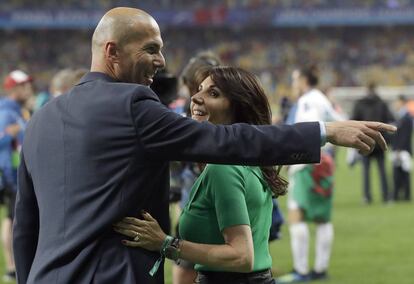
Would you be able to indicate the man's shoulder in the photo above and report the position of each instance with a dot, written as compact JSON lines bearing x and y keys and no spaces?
{"x":142,"y":92}
{"x":113,"y":89}
{"x":138,"y":92}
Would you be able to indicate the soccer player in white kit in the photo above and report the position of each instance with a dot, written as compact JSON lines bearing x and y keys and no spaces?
{"x":310,"y":189}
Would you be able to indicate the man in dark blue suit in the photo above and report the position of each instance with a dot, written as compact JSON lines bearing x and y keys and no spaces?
{"x":101,"y":152}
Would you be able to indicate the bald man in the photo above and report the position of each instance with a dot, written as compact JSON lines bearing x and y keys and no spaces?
{"x":101,"y":151}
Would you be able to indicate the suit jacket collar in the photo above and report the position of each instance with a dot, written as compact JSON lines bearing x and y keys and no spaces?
{"x":92,"y":76}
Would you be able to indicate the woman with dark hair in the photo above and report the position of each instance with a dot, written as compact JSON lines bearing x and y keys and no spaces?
{"x":225,"y":225}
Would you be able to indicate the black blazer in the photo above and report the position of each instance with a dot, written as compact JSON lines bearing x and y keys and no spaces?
{"x":101,"y":152}
{"x":373,"y":108}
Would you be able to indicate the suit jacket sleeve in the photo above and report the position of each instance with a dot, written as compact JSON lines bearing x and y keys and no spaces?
{"x":166,"y":135}
{"x":26,"y":224}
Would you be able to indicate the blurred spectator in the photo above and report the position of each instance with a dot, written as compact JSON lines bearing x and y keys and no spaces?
{"x":78,"y":74}
{"x":402,"y":152}
{"x":41,"y":99}
{"x":18,"y":87}
{"x":373,"y":108}
{"x":195,"y":68}
{"x":285,"y":106}
{"x":61,"y":82}
{"x":346,"y":56}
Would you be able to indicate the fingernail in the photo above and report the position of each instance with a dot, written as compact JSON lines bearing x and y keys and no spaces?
{"x":123,"y":242}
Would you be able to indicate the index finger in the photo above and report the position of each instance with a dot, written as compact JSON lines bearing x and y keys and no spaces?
{"x":381,"y":126}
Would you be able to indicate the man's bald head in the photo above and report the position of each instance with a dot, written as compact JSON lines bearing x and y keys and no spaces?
{"x":122,"y":25}
{"x":126,"y":45}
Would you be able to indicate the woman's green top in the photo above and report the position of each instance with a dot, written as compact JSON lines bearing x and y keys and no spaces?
{"x":225,"y":196}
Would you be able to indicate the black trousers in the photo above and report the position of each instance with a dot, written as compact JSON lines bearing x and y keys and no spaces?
{"x":9,"y":199}
{"x":366,"y":162}
{"x":211,"y":277}
{"x":402,"y":184}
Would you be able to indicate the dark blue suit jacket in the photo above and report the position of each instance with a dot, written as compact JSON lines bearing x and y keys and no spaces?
{"x":101,"y":152}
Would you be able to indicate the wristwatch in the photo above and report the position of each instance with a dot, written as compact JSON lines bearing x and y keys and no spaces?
{"x":173,"y":251}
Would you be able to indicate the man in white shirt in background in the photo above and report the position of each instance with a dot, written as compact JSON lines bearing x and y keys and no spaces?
{"x":311,"y":186}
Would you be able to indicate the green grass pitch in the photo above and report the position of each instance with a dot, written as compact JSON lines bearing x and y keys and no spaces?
{"x":373,"y":244}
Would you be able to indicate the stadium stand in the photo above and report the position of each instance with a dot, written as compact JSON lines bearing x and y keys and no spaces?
{"x":352,"y":41}
{"x":347,"y":56}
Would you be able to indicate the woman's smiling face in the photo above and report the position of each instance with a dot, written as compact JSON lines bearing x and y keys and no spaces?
{"x":210,"y":104}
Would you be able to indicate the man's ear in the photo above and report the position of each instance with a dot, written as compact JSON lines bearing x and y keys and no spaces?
{"x":112,"y":52}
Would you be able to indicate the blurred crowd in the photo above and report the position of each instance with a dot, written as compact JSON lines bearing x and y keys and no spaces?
{"x":345,"y":56}
{"x":42,"y":53}
{"x":191,"y":5}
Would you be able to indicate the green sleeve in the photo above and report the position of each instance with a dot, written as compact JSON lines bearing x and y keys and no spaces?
{"x":226,"y":187}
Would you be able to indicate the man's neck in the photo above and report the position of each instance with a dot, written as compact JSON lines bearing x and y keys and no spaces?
{"x":98,"y":66}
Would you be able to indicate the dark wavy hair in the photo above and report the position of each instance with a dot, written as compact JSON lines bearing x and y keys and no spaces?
{"x":249,"y":105}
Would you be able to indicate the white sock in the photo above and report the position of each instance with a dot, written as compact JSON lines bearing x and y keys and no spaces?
{"x":299,"y":241}
{"x":324,"y":239}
